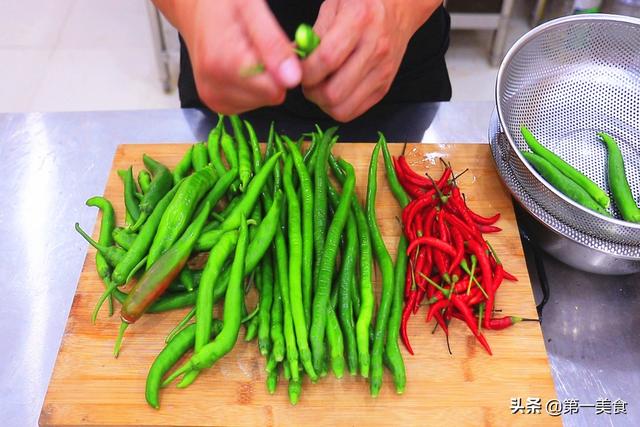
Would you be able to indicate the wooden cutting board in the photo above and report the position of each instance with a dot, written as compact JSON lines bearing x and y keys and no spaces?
{"x":90,"y":387}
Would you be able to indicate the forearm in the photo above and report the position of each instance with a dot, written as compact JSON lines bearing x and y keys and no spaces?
{"x":412,"y":14}
{"x":173,"y":10}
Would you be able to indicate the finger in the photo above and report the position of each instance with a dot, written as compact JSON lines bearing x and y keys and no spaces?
{"x":223,"y":87}
{"x":335,"y":90}
{"x":326,"y":15}
{"x":337,"y":44}
{"x":272,"y":45}
{"x":365,"y":95}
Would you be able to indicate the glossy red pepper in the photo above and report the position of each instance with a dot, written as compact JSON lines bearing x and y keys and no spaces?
{"x":433,"y":242}
{"x":484,"y":220}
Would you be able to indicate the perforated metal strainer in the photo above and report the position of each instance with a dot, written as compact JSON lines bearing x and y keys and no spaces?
{"x":566,"y":81}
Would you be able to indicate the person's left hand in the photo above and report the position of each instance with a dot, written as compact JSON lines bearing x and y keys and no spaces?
{"x":362,"y":45}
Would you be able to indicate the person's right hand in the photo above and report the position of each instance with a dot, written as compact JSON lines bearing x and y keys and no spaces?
{"x":225,"y":39}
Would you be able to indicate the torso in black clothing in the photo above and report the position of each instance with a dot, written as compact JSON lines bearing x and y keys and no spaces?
{"x":422,"y":76}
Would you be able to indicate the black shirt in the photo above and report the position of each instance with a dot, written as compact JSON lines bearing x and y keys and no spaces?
{"x":422,"y":76}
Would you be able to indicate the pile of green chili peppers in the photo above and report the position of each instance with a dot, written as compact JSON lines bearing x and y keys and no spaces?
{"x":578,"y":187}
{"x":273,"y":222}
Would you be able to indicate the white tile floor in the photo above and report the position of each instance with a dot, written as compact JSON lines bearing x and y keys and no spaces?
{"x":97,"y":55}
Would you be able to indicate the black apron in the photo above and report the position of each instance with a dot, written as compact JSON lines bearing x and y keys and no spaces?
{"x":422,"y":76}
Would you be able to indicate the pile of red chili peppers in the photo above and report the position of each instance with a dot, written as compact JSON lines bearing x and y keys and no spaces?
{"x":452,"y":266}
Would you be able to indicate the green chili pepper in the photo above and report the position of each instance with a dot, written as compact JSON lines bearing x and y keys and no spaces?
{"x":199,"y":157}
{"x":168,"y":357}
{"x":294,"y":389}
{"x":225,"y":341}
{"x":283,"y":281}
{"x":306,"y":194}
{"x":244,"y":207}
{"x":186,"y":277}
{"x":214,"y":146}
{"x":179,"y":212}
{"x":618,"y":181}
{"x":335,"y":338}
{"x":123,"y":237}
{"x":392,"y":349}
{"x":244,"y":155}
{"x":564,"y":184}
{"x":111,"y":254}
{"x":277,"y":316}
{"x":366,"y":274}
{"x":256,"y":154}
{"x":105,"y":238}
{"x":345,"y":279}
{"x":130,"y":200}
{"x":231,"y":154}
{"x":294,"y":227}
{"x":219,"y":189}
{"x":578,"y":177}
{"x":326,"y":268}
{"x":142,"y":243}
{"x":183,"y":167}
{"x":252,"y":329}
{"x":266,"y":301}
{"x":156,"y":280}
{"x":204,"y":304}
{"x":144,"y":181}
{"x":320,"y":199}
{"x":160,"y":185}
{"x":306,"y":40}
{"x":272,"y":381}
{"x":388,"y":281}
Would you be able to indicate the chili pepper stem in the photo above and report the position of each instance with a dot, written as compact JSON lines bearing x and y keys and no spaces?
{"x":88,"y":238}
{"x":444,"y":291}
{"x":118,"y":344}
{"x":180,"y":326}
{"x":493,"y":252}
{"x":141,"y":220}
{"x":106,"y":294}
{"x":184,"y":369}
{"x":137,"y":268}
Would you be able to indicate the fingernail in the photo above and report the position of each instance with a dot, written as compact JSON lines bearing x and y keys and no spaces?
{"x":290,"y":73}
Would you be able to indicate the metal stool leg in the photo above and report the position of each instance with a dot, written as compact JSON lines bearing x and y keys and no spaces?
{"x":500,"y":36}
{"x":160,"y":50}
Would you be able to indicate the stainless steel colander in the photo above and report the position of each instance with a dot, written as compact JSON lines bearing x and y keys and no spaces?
{"x":566,"y":81}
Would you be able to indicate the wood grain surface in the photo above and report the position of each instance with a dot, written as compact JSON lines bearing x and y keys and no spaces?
{"x":468,"y":387}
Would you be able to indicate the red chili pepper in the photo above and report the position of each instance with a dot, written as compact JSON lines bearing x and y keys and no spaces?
{"x":497,"y":279}
{"x":420,"y":296}
{"x":408,"y":281}
{"x":411,"y":175}
{"x":470,"y":320}
{"x":485,"y":271}
{"x":475,"y":297}
{"x":484,"y":220}
{"x":504,"y":322}
{"x":510,"y":276}
{"x":458,"y":244}
{"x":406,"y":313}
{"x":454,"y":221}
{"x":435,"y":308}
{"x":488,"y":228}
{"x":412,"y":189}
{"x":441,"y":322}
{"x":446,"y":174}
{"x":434,"y":243}
{"x":460,"y":206}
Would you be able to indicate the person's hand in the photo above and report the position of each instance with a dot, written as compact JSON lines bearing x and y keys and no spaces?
{"x":226,"y":39}
{"x":361,"y":48}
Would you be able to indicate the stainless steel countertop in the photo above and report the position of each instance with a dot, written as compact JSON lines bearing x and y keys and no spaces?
{"x":53,"y":162}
